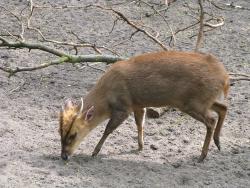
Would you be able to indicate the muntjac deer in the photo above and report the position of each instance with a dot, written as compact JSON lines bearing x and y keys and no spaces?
{"x":195,"y":83}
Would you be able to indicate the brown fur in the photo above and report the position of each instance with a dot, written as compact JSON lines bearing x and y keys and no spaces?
{"x":66,"y":118}
{"x":189,"y":81}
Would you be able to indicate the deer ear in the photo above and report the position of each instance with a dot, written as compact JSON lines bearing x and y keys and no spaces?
{"x":89,"y":114}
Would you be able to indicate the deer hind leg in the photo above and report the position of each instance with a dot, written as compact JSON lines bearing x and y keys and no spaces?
{"x":209,"y":121}
{"x":221,"y":110}
{"x":139,"y":114}
{"x":116,"y":119}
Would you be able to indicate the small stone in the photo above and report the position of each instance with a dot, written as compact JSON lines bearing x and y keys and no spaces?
{"x":235,"y":151}
{"x":207,"y":182}
{"x":4,"y":56}
{"x":52,"y":82}
{"x":170,"y":129}
{"x":176,"y":165}
{"x":153,"y":147}
{"x":238,"y":112}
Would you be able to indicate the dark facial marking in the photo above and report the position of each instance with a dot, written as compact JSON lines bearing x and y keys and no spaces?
{"x":68,"y":138}
{"x":61,"y":123}
{"x":72,"y":137}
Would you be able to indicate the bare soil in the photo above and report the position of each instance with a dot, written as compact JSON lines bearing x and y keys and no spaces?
{"x":30,"y":102}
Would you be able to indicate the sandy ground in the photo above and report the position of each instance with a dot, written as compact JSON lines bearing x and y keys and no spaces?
{"x":29,"y":104}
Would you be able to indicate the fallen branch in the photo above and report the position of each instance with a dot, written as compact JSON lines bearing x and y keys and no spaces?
{"x":66,"y":59}
{"x":63,"y":57}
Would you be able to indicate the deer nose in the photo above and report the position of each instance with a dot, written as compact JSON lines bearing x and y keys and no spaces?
{"x":64,"y":156}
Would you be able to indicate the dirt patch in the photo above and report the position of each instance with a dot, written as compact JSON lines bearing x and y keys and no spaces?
{"x":29,"y":103}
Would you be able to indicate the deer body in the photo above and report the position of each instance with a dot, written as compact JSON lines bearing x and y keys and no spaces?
{"x":191,"y":82}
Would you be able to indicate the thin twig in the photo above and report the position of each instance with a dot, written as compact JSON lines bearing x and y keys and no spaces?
{"x":18,"y":87}
{"x":94,"y":46}
{"x":91,"y":66}
{"x":232,"y":5}
{"x":205,"y":31}
{"x":220,"y":20}
{"x":165,"y":20}
{"x":72,"y":44}
{"x":201,"y":30}
{"x":233,"y":79}
{"x":239,"y":74}
{"x":21,"y":35}
{"x":60,"y":7}
{"x":217,"y":6}
{"x":187,"y":27}
{"x":131,"y":23}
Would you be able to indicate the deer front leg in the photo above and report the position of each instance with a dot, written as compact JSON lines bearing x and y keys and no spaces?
{"x":139,"y":120}
{"x":116,"y":119}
